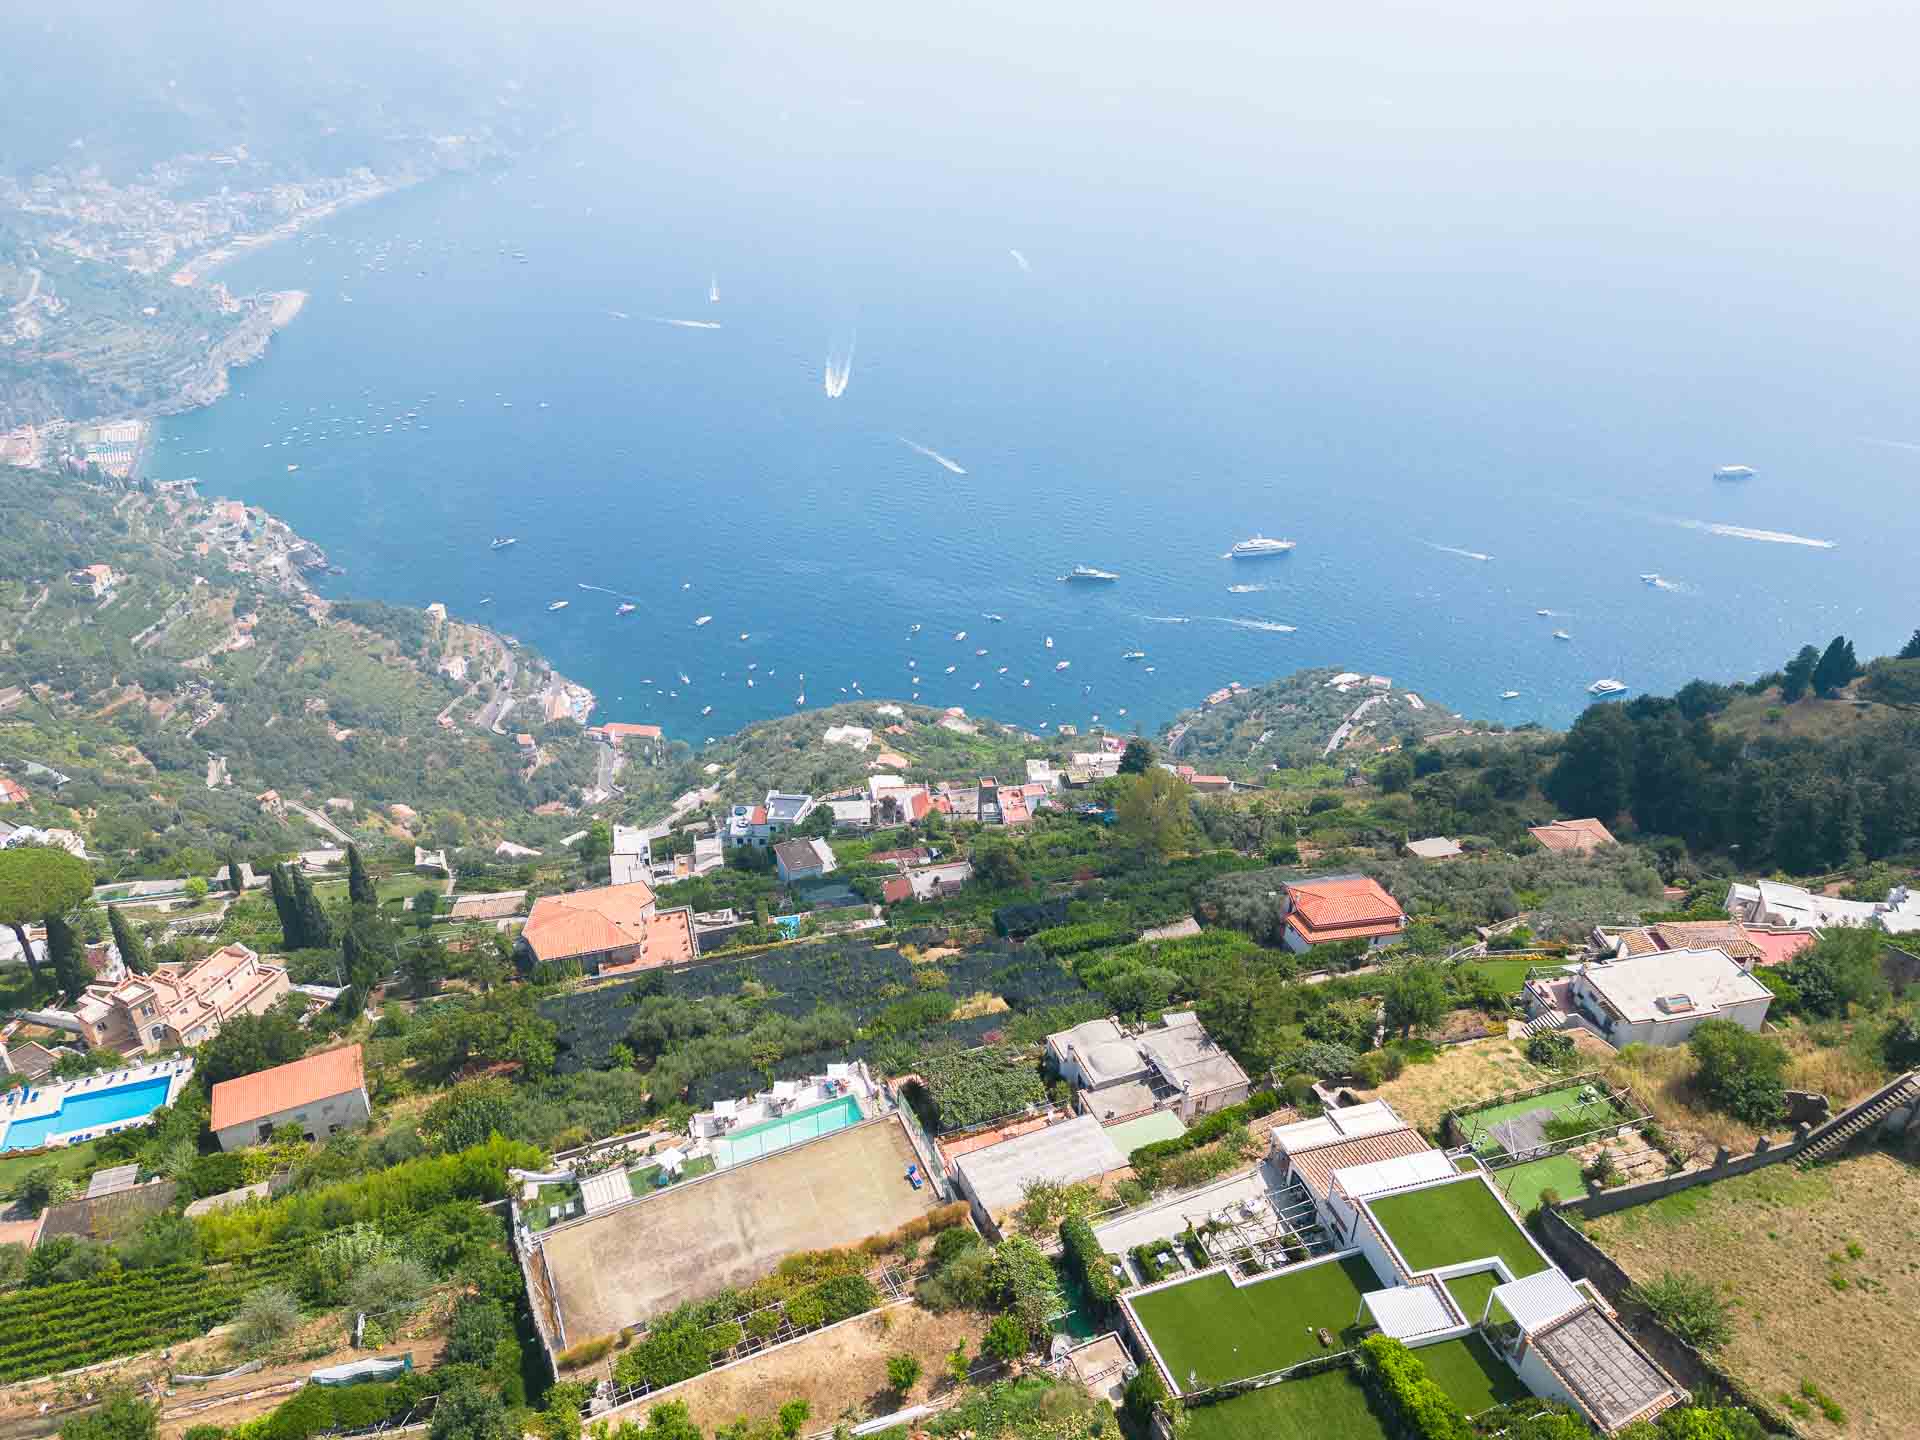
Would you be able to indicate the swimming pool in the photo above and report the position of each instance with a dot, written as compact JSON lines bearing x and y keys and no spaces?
{"x":771,"y":1135}
{"x":90,"y":1111}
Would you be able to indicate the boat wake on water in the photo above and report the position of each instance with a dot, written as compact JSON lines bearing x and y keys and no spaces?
{"x":1271,"y":626}
{"x":1021,"y":261}
{"x":1742,"y":532}
{"x":687,"y":324}
{"x":933,"y":455}
{"x":839,"y":372}
{"x":1456,"y":550}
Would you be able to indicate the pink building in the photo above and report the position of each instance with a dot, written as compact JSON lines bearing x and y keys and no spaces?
{"x":179,"y":1005}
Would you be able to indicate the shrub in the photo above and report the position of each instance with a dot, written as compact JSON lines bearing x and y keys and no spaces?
{"x":1551,"y":1048}
{"x":1089,"y":1261}
{"x":1005,"y":1340}
{"x":1145,"y":1391}
{"x":723,"y":1337}
{"x":793,"y":1415}
{"x":806,"y":1310}
{"x":479,"y":1325}
{"x":391,"y":1287}
{"x":948,"y":1245}
{"x":1405,"y":1390}
{"x":762,"y":1324}
{"x":1740,"y":1072}
{"x":1689,"y":1307}
{"x":587,"y":1352}
{"x":665,"y":1357}
{"x":265,"y":1317}
{"x":903,"y":1372}
{"x":845,"y":1296}
{"x":1299,"y":1089}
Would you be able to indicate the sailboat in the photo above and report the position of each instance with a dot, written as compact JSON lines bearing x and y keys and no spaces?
{"x":713,"y":291}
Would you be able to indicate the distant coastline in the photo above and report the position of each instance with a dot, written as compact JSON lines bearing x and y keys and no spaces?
{"x":196,"y":270}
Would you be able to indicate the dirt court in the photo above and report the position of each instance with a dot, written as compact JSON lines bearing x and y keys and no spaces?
{"x":1821,"y":1267}
{"x":634,"y":1262}
{"x":838,"y":1372}
{"x":1459,"y":1075}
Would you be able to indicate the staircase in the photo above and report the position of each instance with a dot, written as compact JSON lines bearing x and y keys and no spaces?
{"x":1549,"y":1020}
{"x":1829,"y":1140}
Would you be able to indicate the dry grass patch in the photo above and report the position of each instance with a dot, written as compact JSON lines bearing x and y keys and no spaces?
{"x":1460,"y":1075}
{"x":839,"y":1372}
{"x":1821,"y":1268}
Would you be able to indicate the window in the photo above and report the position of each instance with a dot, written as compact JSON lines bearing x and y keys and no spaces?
{"x":266,"y":1132}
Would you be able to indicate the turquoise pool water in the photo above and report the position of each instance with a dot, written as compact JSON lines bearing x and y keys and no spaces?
{"x":89,"y":1111}
{"x":771,"y":1135}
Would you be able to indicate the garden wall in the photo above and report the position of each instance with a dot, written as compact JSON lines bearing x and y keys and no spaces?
{"x":1725,"y":1167}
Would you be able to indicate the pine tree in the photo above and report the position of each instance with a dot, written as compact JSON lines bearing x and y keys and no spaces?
{"x":316,"y":931}
{"x":63,"y":954}
{"x":1798,"y":674}
{"x":286,"y":901}
{"x":235,"y":879}
{"x":360,"y":889}
{"x":1911,"y":650}
{"x":1838,"y":666}
{"x":133,"y":950}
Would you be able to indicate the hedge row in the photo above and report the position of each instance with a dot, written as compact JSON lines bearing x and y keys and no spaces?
{"x":684,"y":1348}
{"x":1073,"y":939}
{"x":1402,"y":1386}
{"x":1089,"y":1261}
{"x":1205,"y":1130}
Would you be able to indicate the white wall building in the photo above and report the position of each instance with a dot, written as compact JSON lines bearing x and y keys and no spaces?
{"x":1660,"y":999}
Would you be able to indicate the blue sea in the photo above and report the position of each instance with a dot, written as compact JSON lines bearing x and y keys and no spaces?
{"x":1477,"y":348}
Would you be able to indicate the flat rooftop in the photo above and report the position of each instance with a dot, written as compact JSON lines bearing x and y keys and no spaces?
{"x":1451,"y":1223}
{"x":1668,"y":984}
{"x":1075,"y":1150}
{"x":626,"y":1265}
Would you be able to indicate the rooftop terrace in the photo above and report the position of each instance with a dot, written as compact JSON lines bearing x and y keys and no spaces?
{"x":1454,"y":1222}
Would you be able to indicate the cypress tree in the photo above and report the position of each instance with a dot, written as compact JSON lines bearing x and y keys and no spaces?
{"x":360,"y":889}
{"x":316,"y":931}
{"x":133,"y":950}
{"x":287,"y":903}
{"x":63,"y":954}
{"x":234,"y":881}
{"x":1837,"y":667}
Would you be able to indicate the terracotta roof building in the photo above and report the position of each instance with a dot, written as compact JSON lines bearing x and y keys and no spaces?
{"x":178,"y":1005}
{"x":1340,"y":907}
{"x":322,"y":1094}
{"x":1572,"y":837}
{"x":612,"y":929}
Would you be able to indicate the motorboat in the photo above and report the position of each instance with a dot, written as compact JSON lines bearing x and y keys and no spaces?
{"x":1086,"y":574}
{"x":1734,"y":472}
{"x":1134,"y":655}
{"x":1608,"y":686}
{"x":703,"y":620}
{"x":1509,"y":694}
{"x":1561,"y":635}
{"x":559,"y":605}
{"x":1257,"y":545}
{"x":1063,"y":665}
{"x":625,"y":608}
{"x":501,"y":542}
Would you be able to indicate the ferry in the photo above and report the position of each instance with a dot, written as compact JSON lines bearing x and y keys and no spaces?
{"x":1258,"y":545}
{"x":500,"y":542}
{"x":1734,"y":472}
{"x":1086,"y":574}
{"x":559,"y":605}
{"x":703,"y":620}
{"x":625,"y":608}
{"x":1134,"y":655}
{"x":1608,"y":686}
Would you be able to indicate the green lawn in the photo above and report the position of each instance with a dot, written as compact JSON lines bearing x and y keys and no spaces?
{"x":1509,"y":975}
{"x":1470,"y":1292}
{"x":1480,"y":1123}
{"x":73,"y":1161}
{"x":641,"y":1181}
{"x":1215,"y":1331}
{"x":1522,"y":1184}
{"x":1471,"y":1373}
{"x":1329,"y":1406}
{"x":1446,"y":1224}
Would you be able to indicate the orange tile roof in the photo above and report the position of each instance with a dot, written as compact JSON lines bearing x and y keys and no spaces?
{"x":1316,"y":1166}
{"x":618,"y":730}
{"x":589,"y":921}
{"x":1572,"y":837}
{"x":287,"y":1087}
{"x":897,"y":889}
{"x":1345,"y":901}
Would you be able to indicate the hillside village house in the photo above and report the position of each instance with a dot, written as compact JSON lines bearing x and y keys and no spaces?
{"x":765,"y":823}
{"x":1340,"y":907}
{"x":323,"y":1094}
{"x":177,"y":1005}
{"x":609,"y":930}
{"x":1653,"y":999}
{"x":803,"y":860}
{"x":1120,"y":1072}
{"x":1572,"y":837}
{"x":1768,"y":902}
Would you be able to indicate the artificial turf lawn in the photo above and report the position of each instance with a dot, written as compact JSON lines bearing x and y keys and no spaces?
{"x":1480,"y":1123}
{"x":1215,"y":1331}
{"x":1470,"y":1292}
{"x":1329,"y":1406}
{"x":1470,"y":1372}
{"x":1447,"y":1224}
{"x":1522,"y":1184}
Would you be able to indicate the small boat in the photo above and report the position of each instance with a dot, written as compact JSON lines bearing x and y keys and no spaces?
{"x":749,"y":682}
{"x":996,"y":619}
{"x":486,"y":599}
{"x":754,"y":666}
{"x":976,"y":684}
{"x":706,"y":709}
{"x":801,"y":698}
{"x":685,"y":679}
{"x":959,"y":635}
{"x":913,"y":664}
{"x":1063,"y":664}
{"x":1650,"y":579}
{"x":1509,"y":694}
{"x":951,"y":669}
{"x":713,"y":291}
{"x":914,"y":629}
{"x":1734,"y":472}
{"x":292,"y":468}
{"x":1543,"y":612}
{"x":1608,"y":686}
{"x":703,"y":620}
{"x":1025,"y":683}
{"x":743,"y":634}
{"x":1001,"y":671}
{"x":980,"y":652}
{"x":1086,"y":574}
{"x":1123,"y":711}
{"x":1257,"y":546}
{"x":1150,"y":670}
{"x":1134,"y":655}
{"x":625,"y":608}
{"x":1049,"y":642}
{"x":559,"y":605}
{"x":1561,"y":635}
{"x":501,"y":542}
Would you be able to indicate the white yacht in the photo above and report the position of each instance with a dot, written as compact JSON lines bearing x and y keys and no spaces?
{"x":704,"y":620}
{"x":1561,"y":635}
{"x":1063,"y":665}
{"x":1134,"y":655}
{"x":1086,"y":574}
{"x":1608,"y":686}
{"x":1734,"y":472}
{"x":1258,"y":545}
{"x":559,"y":605}
{"x":500,"y":542}
{"x":1509,"y":694}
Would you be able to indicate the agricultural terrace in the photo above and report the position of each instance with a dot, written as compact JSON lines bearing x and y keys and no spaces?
{"x":623,"y":1266}
{"x":1209,"y":1330}
{"x":1453,"y":1222}
{"x":710,"y":1027}
{"x":1818,"y":1268}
